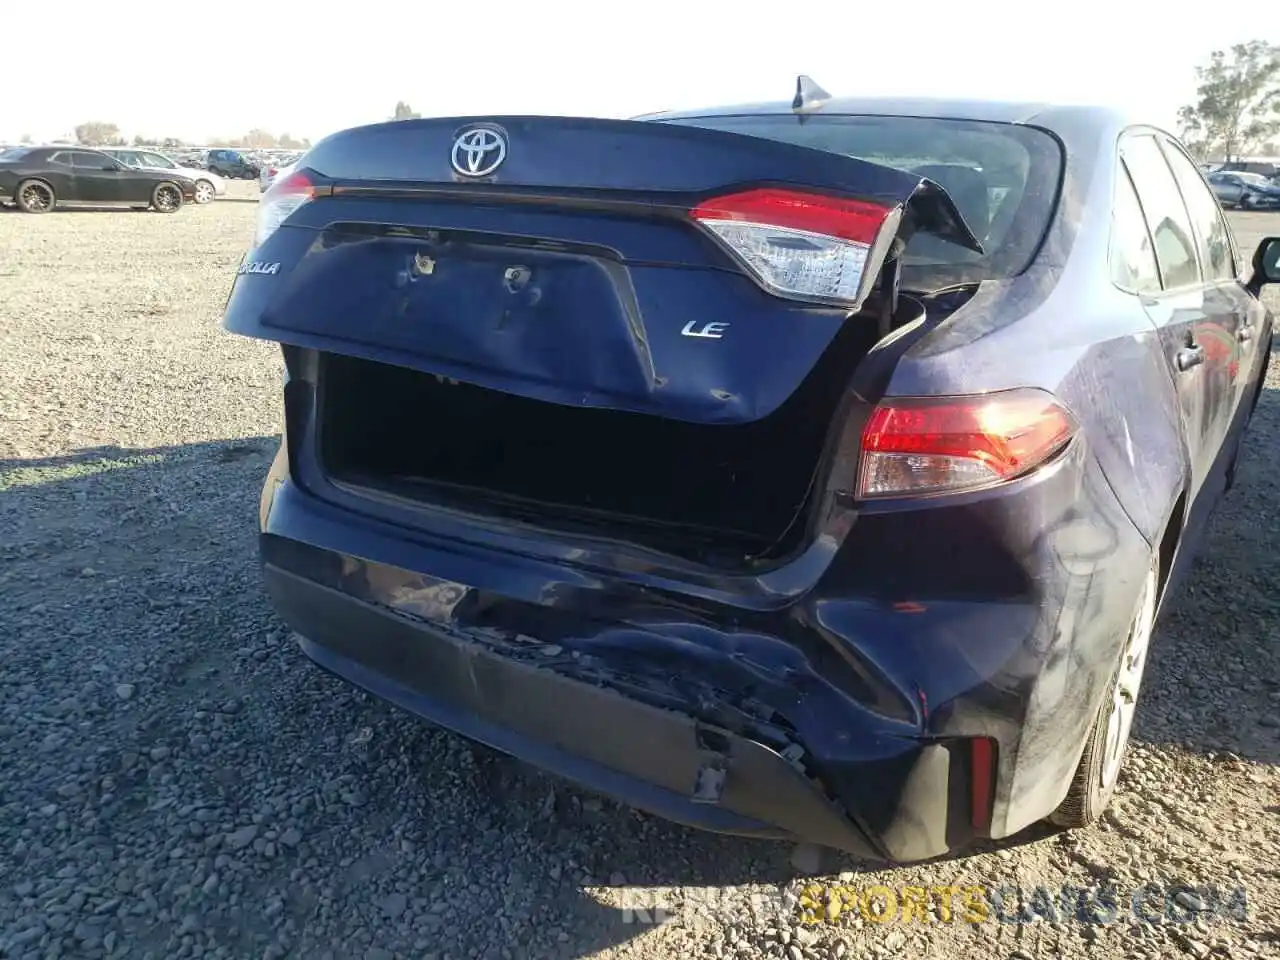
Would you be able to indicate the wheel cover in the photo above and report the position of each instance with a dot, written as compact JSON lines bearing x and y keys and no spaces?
{"x":35,"y":196}
{"x":165,"y":198}
{"x":204,"y":192}
{"x":1124,"y":694}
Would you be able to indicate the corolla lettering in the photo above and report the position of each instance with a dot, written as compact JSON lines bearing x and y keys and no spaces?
{"x":259,"y":266}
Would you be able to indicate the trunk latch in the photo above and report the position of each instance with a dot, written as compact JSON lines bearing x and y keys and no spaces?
{"x":516,"y":279}
{"x":423,"y":265}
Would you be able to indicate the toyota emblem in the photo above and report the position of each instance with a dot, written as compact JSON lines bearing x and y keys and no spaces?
{"x":478,"y":151}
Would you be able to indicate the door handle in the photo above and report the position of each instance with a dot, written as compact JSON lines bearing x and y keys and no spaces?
{"x":1189,"y":357}
{"x":1244,"y":333}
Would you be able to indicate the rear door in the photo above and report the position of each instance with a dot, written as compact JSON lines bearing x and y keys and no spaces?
{"x":1196,"y":321}
{"x":1234,"y":309}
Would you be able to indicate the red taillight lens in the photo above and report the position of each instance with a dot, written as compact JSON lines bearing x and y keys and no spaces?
{"x":282,"y":198}
{"x":854,"y":220}
{"x":922,"y":446}
{"x":797,"y":244}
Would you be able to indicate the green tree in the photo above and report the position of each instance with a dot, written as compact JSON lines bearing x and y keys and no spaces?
{"x":405,"y":112}
{"x":1237,"y":103}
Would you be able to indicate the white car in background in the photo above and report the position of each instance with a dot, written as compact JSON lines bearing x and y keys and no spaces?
{"x":208,"y":184}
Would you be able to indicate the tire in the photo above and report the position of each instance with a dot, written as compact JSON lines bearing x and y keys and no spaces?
{"x":1246,"y":201}
{"x":205,"y":191}
{"x":35,"y":196}
{"x":166,"y":198}
{"x":1096,"y":777}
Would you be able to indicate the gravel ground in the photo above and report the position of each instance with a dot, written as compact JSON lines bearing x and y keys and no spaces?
{"x":176,"y":781}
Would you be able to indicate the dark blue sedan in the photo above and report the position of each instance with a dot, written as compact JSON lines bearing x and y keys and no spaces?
{"x":813,"y":469}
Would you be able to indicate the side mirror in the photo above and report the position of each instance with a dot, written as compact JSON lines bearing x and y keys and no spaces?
{"x":1266,"y":265}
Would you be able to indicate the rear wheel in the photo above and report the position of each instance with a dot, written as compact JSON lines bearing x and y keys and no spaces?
{"x":166,"y":198}
{"x":1099,"y":770}
{"x":34,"y":196}
{"x":204,"y":191}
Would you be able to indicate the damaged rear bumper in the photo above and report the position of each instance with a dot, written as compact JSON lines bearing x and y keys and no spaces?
{"x":657,"y":760}
{"x":429,"y":646}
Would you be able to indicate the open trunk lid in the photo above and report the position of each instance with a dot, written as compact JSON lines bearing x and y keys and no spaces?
{"x":626,"y":265}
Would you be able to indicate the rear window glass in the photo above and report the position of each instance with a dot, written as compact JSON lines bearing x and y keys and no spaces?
{"x":1003,"y":178}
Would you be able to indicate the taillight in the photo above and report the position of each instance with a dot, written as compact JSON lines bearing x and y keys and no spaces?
{"x":923,"y":446}
{"x":801,"y":245}
{"x":282,"y":198}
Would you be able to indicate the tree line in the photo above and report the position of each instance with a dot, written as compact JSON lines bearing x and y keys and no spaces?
{"x":97,"y":133}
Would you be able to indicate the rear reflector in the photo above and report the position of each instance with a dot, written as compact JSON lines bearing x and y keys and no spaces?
{"x":982,"y":762}
{"x":801,"y":245}
{"x":283,"y":197}
{"x":923,"y":446}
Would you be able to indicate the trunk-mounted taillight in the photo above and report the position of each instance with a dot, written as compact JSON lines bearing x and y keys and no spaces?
{"x":806,"y":246}
{"x":283,"y":197}
{"x":922,"y":446}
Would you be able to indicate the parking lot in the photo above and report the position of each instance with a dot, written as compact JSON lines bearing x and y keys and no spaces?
{"x":177,"y":781}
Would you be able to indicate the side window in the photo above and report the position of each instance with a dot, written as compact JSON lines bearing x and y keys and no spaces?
{"x":61,"y":158}
{"x":155,"y":160}
{"x":1212,"y":235}
{"x":89,"y":161}
{"x":1164,"y":211}
{"x":1133,"y":258}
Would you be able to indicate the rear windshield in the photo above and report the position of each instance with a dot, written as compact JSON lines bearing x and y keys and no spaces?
{"x":1003,"y":178}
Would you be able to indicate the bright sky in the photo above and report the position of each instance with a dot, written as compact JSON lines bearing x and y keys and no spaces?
{"x":196,"y":71}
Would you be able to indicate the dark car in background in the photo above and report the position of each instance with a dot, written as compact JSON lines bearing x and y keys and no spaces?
{"x":1246,"y":191}
{"x":814,"y":469}
{"x":38,"y":179}
{"x":231,"y":164}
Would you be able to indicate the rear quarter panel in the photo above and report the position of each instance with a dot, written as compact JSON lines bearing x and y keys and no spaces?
{"x":1063,"y":327}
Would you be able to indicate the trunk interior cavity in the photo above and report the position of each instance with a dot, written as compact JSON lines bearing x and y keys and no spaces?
{"x":728,"y":495}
